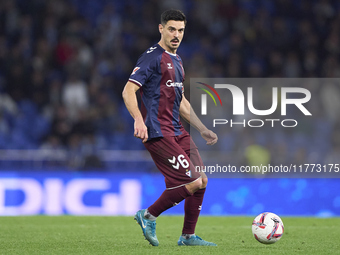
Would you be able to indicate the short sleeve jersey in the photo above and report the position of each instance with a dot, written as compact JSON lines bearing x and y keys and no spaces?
{"x":160,"y":75}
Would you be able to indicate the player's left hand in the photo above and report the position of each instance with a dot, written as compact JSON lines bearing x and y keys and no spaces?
{"x":209,"y":136}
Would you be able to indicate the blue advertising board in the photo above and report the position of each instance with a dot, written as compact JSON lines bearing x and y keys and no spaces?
{"x":97,"y":193}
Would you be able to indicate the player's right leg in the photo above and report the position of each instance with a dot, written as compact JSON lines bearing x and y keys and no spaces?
{"x":148,"y":227}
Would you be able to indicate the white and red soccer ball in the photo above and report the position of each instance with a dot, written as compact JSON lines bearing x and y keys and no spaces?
{"x":267,"y":228}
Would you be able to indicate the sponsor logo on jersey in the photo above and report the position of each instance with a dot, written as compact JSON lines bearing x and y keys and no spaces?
{"x":135,"y":70}
{"x":170,"y":83}
{"x":169,"y":65}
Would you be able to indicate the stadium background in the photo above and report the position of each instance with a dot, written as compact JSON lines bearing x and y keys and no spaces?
{"x":66,"y":143}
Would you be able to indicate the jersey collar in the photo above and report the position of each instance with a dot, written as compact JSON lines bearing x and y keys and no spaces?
{"x":172,"y":54}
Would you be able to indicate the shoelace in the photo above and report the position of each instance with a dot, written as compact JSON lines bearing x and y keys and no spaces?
{"x":197,"y":237}
{"x":153,"y":227}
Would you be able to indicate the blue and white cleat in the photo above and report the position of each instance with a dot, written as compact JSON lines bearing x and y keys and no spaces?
{"x":148,"y":227}
{"x":194,"y":241}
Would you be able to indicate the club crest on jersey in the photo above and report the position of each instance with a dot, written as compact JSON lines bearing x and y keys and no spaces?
{"x":169,"y":65}
{"x":135,"y":70}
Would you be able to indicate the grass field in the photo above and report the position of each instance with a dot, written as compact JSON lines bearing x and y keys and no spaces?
{"x":121,"y":235}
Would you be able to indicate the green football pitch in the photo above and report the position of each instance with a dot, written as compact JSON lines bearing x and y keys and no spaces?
{"x":121,"y":235}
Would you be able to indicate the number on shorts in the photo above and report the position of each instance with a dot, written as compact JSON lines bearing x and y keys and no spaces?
{"x":181,"y":161}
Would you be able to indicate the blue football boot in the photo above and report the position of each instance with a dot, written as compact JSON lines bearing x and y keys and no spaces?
{"x":148,"y":227}
{"x":194,"y":240}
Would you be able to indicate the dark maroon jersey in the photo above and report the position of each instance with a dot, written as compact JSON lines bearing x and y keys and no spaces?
{"x":160,"y":75}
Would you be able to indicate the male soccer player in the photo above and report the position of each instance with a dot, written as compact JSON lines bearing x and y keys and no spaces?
{"x":159,"y":75}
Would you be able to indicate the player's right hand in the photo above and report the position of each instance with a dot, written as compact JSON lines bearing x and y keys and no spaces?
{"x":140,"y":130}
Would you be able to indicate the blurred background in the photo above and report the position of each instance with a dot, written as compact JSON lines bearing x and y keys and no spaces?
{"x":64,"y":63}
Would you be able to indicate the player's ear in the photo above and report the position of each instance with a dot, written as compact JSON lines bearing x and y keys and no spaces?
{"x":160,"y":28}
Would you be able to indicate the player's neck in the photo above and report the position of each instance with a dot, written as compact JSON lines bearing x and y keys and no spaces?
{"x":160,"y":43}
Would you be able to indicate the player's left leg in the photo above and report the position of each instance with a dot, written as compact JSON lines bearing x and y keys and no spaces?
{"x":193,"y":204}
{"x":192,"y":208}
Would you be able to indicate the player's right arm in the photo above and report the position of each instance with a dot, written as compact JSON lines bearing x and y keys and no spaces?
{"x":131,"y":103}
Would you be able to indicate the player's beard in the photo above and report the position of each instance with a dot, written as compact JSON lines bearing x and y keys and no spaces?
{"x":174,"y":48}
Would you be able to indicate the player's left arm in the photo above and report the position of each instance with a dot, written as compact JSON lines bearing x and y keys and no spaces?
{"x":188,"y":114}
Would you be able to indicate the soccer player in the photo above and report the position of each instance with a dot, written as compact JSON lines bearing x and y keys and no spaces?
{"x":159,"y":76}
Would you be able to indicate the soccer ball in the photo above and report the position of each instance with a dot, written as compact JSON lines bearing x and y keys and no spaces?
{"x":267,"y":228}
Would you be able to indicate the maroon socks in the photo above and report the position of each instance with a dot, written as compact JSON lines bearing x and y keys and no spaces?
{"x":192,"y":208}
{"x":169,"y":198}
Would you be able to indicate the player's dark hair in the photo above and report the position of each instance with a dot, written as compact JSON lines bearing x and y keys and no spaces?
{"x":172,"y":15}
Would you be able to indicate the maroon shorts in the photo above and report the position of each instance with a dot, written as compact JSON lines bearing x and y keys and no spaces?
{"x":176,"y":158}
